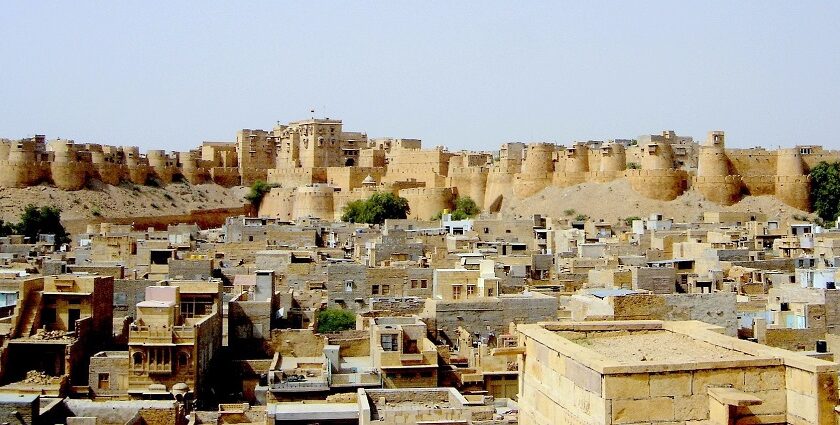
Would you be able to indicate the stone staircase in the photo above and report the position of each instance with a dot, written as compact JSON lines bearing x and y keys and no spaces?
{"x":30,"y":315}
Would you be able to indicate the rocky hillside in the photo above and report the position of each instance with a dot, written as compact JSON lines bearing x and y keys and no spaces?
{"x":126,"y":200}
{"x":616,"y":200}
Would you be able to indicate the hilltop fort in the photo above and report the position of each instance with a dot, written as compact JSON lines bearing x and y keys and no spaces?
{"x":317,"y":168}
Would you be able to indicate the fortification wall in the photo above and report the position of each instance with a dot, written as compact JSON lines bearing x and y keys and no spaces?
{"x":613,"y":158}
{"x":723,"y":190}
{"x":663,"y":185}
{"x":294,"y":177}
{"x":657,"y":156}
{"x":426,"y":202}
{"x":163,"y":166}
{"x":205,"y":219}
{"x":469,"y":181}
{"x":191,"y":168}
{"x":421,"y":174}
{"x":715,"y":179}
{"x":279,"y":203}
{"x":569,"y":178}
{"x":499,"y":188}
{"x":538,"y":159}
{"x":314,"y":201}
{"x":23,"y":174}
{"x":225,"y":176}
{"x":794,"y":191}
{"x":574,"y":159}
{"x":349,"y":178}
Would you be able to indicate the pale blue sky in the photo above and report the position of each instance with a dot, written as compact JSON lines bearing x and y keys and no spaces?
{"x":465,"y":75}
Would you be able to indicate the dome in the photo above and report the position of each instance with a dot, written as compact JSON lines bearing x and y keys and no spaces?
{"x":369,"y":180}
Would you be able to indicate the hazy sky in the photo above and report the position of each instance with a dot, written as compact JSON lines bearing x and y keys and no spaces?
{"x":464,"y":75}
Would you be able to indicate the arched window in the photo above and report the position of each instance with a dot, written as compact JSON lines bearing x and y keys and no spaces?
{"x":137,"y":360}
{"x":183,"y":359}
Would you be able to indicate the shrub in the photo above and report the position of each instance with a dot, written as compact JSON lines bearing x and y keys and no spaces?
{"x":629,"y":220}
{"x":581,"y":217}
{"x":376,"y":209}
{"x":569,"y":212}
{"x":633,"y":166}
{"x":465,"y":208}
{"x":257,"y":193}
{"x":335,"y":320}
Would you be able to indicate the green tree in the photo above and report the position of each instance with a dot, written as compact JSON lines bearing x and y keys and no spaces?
{"x":335,"y":320}
{"x":46,"y":220}
{"x":257,"y":193}
{"x":825,"y":190}
{"x":6,"y":229}
{"x":633,"y":166}
{"x":376,"y":209}
{"x":465,"y":208}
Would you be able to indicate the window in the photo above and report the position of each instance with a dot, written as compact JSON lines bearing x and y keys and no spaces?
{"x":374,"y":289}
{"x":486,"y":230}
{"x":414,"y":283}
{"x":389,"y":342}
{"x":386,"y":289}
{"x":489,"y":292}
{"x":104,"y":381}
{"x":137,"y":360}
{"x":456,"y":292}
{"x":470,"y":290}
{"x":183,"y":359}
{"x":348,"y":286}
{"x":424,"y":283}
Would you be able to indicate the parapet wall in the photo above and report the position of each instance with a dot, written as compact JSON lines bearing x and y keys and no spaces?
{"x":426,"y":202}
{"x":663,"y":185}
{"x":521,"y":170}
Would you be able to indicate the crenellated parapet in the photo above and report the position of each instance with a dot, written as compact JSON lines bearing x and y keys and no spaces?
{"x":321,"y":163}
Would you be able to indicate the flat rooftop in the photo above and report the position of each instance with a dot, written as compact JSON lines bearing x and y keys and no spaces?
{"x":652,"y":346}
{"x":631,"y":347}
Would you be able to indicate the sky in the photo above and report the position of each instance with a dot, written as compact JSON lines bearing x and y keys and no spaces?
{"x":466,"y":75}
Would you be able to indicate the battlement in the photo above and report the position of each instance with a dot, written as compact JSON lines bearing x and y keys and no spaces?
{"x":315,"y":151}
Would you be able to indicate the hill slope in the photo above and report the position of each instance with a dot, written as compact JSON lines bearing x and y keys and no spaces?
{"x":615,"y":200}
{"x":126,"y":200}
